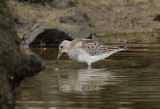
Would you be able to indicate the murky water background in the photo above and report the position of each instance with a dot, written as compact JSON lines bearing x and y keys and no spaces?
{"x":130,"y":80}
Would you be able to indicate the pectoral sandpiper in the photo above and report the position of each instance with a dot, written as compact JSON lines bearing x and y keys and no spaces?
{"x":86,"y":50}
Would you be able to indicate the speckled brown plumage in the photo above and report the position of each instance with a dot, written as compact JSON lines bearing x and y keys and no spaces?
{"x":91,"y":47}
{"x":86,"y":50}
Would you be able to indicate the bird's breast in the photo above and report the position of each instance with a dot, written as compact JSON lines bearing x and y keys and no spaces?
{"x":73,"y":54}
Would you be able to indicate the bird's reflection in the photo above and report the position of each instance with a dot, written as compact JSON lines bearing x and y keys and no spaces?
{"x":85,"y":80}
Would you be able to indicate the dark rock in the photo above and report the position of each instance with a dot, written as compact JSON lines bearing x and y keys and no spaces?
{"x":32,"y":34}
{"x":40,"y":36}
{"x":63,"y":20}
{"x":156,"y":30}
{"x":15,"y":65}
{"x":76,"y":23}
{"x":20,"y":23}
{"x":54,"y":3}
{"x":50,"y":37}
{"x":156,"y":17}
{"x":77,"y":17}
{"x":72,"y":3}
{"x":77,"y":31}
{"x":22,"y":0}
{"x":63,"y":3}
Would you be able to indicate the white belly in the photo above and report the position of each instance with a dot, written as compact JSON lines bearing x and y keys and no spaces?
{"x":88,"y":58}
{"x":84,"y":57}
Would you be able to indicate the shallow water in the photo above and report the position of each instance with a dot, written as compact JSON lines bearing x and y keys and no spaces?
{"x":130,"y":80}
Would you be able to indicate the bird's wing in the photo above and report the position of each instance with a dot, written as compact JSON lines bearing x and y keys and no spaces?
{"x":93,"y":47}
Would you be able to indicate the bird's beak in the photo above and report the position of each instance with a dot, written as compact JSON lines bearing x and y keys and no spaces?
{"x":59,"y":55}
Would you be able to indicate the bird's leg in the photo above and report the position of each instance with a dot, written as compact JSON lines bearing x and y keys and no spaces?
{"x":89,"y":66}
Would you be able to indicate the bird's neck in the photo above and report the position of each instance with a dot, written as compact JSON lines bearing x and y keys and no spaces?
{"x":68,"y":46}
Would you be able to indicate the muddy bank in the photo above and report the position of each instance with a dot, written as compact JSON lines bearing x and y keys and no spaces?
{"x":15,"y":65}
{"x":123,"y":19}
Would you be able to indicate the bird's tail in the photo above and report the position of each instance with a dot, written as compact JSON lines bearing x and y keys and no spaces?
{"x":117,"y":48}
{"x":122,"y":47}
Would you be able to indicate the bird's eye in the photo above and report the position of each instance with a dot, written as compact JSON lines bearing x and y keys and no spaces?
{"x":61,"y":46}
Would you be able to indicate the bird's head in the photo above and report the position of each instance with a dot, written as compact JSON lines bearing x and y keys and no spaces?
{"x":63,"y":47}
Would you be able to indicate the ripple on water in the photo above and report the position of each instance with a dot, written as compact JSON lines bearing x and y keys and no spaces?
{"x":126,"y":80}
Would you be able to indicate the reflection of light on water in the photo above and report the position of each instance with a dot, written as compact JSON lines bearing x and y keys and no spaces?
{"x":86,"y":80}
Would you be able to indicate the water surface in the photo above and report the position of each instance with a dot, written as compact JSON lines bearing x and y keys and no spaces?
{"x":127,"y":80}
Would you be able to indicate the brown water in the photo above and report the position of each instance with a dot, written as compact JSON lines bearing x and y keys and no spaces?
{"x":130,"y":80}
